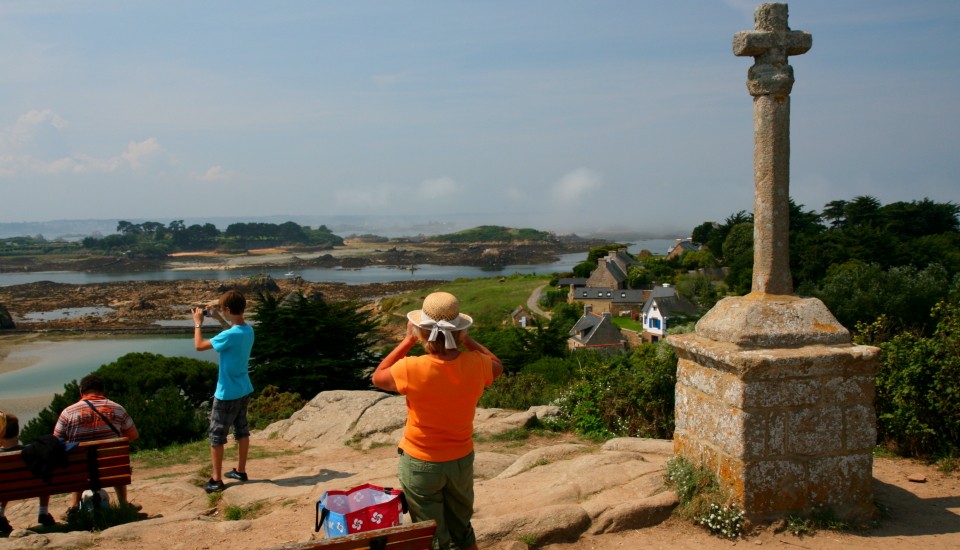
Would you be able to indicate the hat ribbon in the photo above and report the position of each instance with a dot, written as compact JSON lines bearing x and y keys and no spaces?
{"x":446,"y":327}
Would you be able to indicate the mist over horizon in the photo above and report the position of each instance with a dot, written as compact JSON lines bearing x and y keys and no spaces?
{"x":390,"y":226}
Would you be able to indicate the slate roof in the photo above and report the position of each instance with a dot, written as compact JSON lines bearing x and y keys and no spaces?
{"x":616,"y":263}
{"x":593,"y":329}
{"x":616,"y":296}
{"x":683,"y":245}
{"x":669,"y":302}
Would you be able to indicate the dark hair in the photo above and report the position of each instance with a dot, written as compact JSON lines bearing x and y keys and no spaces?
{"x":91,"y":383}
{"x":13,"y":426}
{"x":233,"y":300}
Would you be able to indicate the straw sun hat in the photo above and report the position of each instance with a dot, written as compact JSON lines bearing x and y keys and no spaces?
{"x":441,"y":314}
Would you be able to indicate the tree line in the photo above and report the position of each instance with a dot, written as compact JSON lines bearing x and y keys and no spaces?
{"x":154,"y":239}
{"x":889,"y":273}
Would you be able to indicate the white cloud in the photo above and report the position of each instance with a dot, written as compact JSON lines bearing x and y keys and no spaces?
{"x":37,"y":118}
{"x":36,"y":133}
{"x":214,"y":173}
{"x":35,"y":145}
{"x":574,"y":185}
{"x":139,"y":153}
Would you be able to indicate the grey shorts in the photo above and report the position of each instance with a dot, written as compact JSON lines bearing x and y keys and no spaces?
{"x":227,"y":413}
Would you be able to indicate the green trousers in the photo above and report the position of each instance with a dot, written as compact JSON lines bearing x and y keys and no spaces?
{"x":443,"y":492}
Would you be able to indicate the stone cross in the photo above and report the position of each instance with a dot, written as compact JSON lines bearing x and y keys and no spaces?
{"x":769,"y":81}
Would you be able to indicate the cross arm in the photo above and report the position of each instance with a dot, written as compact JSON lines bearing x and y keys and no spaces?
{"x":754,"y":43}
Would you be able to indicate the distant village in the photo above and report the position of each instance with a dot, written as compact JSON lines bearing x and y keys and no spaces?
{"x":605,"y":295}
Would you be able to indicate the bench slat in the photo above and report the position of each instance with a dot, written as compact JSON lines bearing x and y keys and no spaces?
{"x":417,"y":536}
{"x":67,"y":478}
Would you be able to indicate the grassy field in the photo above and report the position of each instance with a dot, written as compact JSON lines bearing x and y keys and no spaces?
{"x":489,"y":301}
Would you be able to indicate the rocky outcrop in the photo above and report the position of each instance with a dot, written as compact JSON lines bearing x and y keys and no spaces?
{"x":554,"y":493}
{"x":549,"y":489}
{"x":6,"y":320}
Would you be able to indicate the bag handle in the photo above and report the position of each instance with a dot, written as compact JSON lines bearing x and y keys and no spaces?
{"x":320,"y":518}
{"x":403,"y":498}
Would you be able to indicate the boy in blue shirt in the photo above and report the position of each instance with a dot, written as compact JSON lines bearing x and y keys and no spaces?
{"x":233,"y":383}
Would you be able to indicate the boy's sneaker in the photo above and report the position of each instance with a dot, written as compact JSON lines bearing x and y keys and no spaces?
{"x":234,"y":474}
{"x":46,"y":520}
{"x":5,"y":528}
{"x":212,"y":486}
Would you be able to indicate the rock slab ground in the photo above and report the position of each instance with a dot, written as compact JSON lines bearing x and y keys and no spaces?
{"x":557,"y":493}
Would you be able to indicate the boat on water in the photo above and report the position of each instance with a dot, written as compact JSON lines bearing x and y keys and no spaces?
{"x":290,"y":274}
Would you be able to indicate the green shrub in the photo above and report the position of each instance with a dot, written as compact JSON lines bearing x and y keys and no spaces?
{"x":688,"y":481}
{"x":723,"y":521}
{"x":162,"y":394}
{"x":820,"y":518}
{"x":702,"y":500}
{"x":235,"y":513}
{"x":552,"y":296}
{"x":628,"y":395}
{"x":272,"y":405}
{"x":163,"y":417}
{"x":517,"y":391}
{"x":918,"y":389}
{"x":331,"y":350}
{"x":556,"y":371}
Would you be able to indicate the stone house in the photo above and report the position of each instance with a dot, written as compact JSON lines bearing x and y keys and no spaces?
{"x":596,"y":331}
{"x":663,"y":305}
{"x":622,"y":302}
{"x":520,"y":317}
{"x":606,"y":288}
{"x":682,"y":245}
{"x":611,"y":271}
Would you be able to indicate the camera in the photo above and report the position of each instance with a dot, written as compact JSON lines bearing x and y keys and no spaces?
{"x":206,"y":312}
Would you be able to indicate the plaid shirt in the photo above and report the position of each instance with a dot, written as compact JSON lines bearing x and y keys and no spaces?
{"x":79,"y":423}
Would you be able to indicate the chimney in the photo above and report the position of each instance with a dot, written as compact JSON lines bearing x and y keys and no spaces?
{"x":587,"y":309}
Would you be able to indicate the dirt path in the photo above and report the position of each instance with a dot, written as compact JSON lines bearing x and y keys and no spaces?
{"x":916,"y":516}
{"x":534,"y":300}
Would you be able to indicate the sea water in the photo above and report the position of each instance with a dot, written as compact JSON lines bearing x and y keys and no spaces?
{"x":41,"y":368}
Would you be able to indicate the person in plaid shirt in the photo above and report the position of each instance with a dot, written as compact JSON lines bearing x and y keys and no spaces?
{"x":92,"y":418}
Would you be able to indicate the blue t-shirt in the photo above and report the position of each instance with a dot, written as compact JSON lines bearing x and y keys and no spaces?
{"x":234,"y":345}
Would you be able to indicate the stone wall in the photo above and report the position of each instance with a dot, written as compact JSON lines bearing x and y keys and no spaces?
{"x":632,"y":337}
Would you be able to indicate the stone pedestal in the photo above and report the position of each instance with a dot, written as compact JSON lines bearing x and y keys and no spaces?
{"x":773,"y":397}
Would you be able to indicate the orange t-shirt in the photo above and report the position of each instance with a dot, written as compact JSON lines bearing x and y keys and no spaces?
{"x":442,"y":400}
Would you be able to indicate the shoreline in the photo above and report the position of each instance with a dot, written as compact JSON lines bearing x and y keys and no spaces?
{"x":26,"y":408}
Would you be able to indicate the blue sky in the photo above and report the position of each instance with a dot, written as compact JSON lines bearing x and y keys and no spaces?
{"x":561,"y":115}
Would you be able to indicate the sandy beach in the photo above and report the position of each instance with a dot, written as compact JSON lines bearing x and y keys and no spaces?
{"x":8,"y":343}
{"x":25,"y":407}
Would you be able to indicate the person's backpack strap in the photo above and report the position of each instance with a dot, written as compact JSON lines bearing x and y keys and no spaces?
{"x":100,"y":414}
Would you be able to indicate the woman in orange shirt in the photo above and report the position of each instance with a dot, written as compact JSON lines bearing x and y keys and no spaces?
{"x":442,"y":390}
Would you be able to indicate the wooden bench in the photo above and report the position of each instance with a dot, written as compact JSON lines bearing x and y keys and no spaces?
{"x":417,"y":536}
{"x":91,"y":465}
